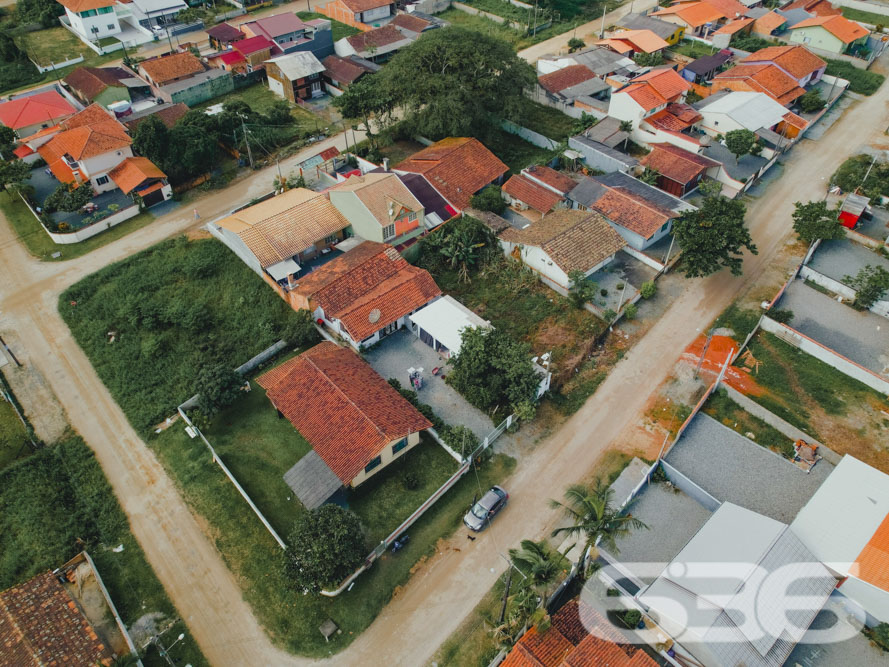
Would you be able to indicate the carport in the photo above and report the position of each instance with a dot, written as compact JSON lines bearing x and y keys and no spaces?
{"x":440,"y":325}
{"x":312,"y":481}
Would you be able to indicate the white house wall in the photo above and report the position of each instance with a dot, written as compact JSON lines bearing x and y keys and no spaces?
{"x":100,"y":165}
{"x":234,"y":243}
{"x":624,"y":107}
{"x":85,"y":26}
{"x":873,"y":600}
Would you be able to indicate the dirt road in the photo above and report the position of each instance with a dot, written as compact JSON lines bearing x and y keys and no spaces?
{"x":445,"y":590}
{"x":588,"y":32}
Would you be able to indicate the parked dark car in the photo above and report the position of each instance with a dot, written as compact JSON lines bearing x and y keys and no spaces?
{"x":480,"y":514}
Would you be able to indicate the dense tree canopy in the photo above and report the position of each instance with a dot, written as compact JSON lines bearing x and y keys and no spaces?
{"x":870,"y":284}
{"x":13,"y":174}
{"x":740,"y":142}
{"x":44,"y":12}
{"x":813,"y":220}
{"x":457,"y":82}
{"x":713,"y":237}
{"x":368,"y":100}
{"x":68,"y":197}
{"x":326,"y":545}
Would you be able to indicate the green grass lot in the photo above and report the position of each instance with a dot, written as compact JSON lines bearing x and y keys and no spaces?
{"x":727,"y":412}
{"x":796,"y":380}
{"x":290,"y":618}
{"x":14,"y":441}
{"x":38,"y":243}
{"x":485,"y":25}
{"x":51,"y":501}
{"x":176,"y":307}
{"x":860,"y":81}
{"x":547,"y":121}
{"x":338,"y":30}
{"x":515,"y":151}
{"x":259,"y":448}
{"x":865,"y":17}
{"x":693,"y":49}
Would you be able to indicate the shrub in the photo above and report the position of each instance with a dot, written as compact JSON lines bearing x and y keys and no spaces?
{"x":782,"y":315}
{"x":575,"y":44}
{"x":860,"y":81}
{"x":410,"y":480}
{"x":612,"y":593}
{"x":880,"y":635}
{"x":648,"y":289}
{"x":326,"y":545}
{"x":870,"y":284}
{"x":812,"y":101}
{"x":631,"y":618}
{"x":631,"y":311}
{"x":218,"y":386}
{"x":489,"y":199}
{"x":609,"y":315}
{"x":603,"y":292}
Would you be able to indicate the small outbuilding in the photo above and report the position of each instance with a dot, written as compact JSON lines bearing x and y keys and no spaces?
{"x":441,"y":324}
{"x":854,"y":206}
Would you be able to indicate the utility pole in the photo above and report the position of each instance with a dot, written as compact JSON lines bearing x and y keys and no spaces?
{"x":669,"y":250}
{"x":280,"y":178}
{"x":703,"y":353}
{"x":602,"y":27}
{"x":247,"y":141}
{"x":505,"y":596}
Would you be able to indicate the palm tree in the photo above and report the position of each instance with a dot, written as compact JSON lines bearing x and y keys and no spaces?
{"x":539,"y":563}
{"x":590,"y":513}
{"x":626,"y":126}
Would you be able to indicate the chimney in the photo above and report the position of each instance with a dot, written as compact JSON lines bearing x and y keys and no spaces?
{"x":385,"y":164}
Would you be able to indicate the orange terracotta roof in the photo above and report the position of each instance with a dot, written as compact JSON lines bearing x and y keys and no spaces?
{"x":839,"y":26}
{"x":695,"y":14}
{"x":91,"y":81}
{"x":617,"y":45}
{"x":341,"y":406}
{"x":365,"y":5}
{"x":566,"y":77}
{"x":42,"y":133}
{"x":621,"y":207}
{"x":643,"y":40}
{"x":457,"y":167}
{"x":536,"y":196}
{"x":554,"y":179}
{"x":644,"y":95}
{"x":729,"y":8}
{"x":384,"y":195}
{"x":84,"y":5}
{"x":371,"y":277}
{"x":676,"y":163}
{"x":167,"y":68}
{"x":872,"y":564}
{"x":134,"y":171}
{"x":792,"y":119}
{"x":816,"y":7}
{"x":760,"y":78}
{"x":765,"y":24}
{"x":409,"y":22}
{"x":675,"y":118}
{"x":46,"y":107}
{"x":732,"y":27}
{"x":40,"y":624}
{"x":796,"y":60}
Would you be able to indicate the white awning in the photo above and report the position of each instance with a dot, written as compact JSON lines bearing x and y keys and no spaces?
{"x":445,"y":320}
{"x":283,"y":269}
{"x":347,"y":244}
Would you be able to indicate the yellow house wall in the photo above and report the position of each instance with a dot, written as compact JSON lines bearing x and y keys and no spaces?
{"x":387,"y":457}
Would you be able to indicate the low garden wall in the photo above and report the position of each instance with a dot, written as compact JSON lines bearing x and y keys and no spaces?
{"x":530,"y":136}
{"x":84,"y":233}
{"x":55,"y":66}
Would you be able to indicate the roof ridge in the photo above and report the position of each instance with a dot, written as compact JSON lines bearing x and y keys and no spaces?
{"x":641,"y":201}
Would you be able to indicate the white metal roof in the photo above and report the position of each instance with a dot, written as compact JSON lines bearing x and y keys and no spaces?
{"x":298,"y":65}
{"x":149,"y":7}
{"x":281,"y":270}
{"x":445,"y":319}
{"x":845,"y":512}
{"x":750,"y":110}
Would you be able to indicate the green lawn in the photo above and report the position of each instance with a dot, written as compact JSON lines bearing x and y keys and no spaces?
{"x":338,"y":30}
{"x":727,"y":412}
{"x":489,"y":27}
{"x":865,"y":17}
{"x":515,"y":151}
{"x":693,"y":49}
{"x":860,"y":81}
{"x":55,"y":499}
{"x":14,"y":440}
{"x":60,"y":44}
{"x":290,"y":618}
{"x":38,"y":243}
{"x":547,"y":121}
{"x":176,"y":307}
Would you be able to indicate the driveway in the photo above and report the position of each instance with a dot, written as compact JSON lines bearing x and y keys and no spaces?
{"x":448,"y":586}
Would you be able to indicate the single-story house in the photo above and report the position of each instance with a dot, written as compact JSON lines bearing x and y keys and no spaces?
{"x":815,"y":7}
{"x":105,"y":85}
{"x":289,"y":34}
{"x":31,"y":113}
{"x":169,"y":115}
{"x":458,"y":167}
{"x":139,"y":176}
{"x":182,"y":77}
{"x":539,"y":188}
{"x":846,"y":526}
{"x":768,"y":24}
{"x":362,"y":14}
{"x":413,"y":23}
{"x":679,"y":171}
{"x":365,"y":294}
{"x":641,"y":213}
{"x":164,"y":70}
{"x":377,"y":45}
{"x":760,"y":78}
{"x":223,"y":35}
{"x":600,"y":156}
{"x":441,"y":324}
{"x":698,"y":18}
{"x":730,"y":110}
{"x":379,"y":207}
{"x":631,"y":42}
{"x":355,"y":421}
{"x":705,"y":68}
{"x":669,"y":32}
{"x":295,"y":76}
{"x":575,"y":86}
{"x":564,"y":242}
{"x":853,"y":207}
{"x":254,"y":50}
{"x":339,"y":73}
{"x":276,"y":236}
{"x":835,"y":34}
{"x":646,"y":95}
{"x":795,"y":61}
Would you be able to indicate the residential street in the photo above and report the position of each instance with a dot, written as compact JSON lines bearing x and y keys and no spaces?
{"x":447,"y":588}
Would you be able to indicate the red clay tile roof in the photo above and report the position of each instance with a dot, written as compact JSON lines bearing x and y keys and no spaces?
{"x":409,"y":22}
{"x":729,"y":8}
{"x":816,"y":7}
{"x":342,"y":70}
{"x":554,"y":179}
{"x":656,"y":88}
{"x":766,"y":23}
{"x":91,"y":81}
{"x":796,"y":60}
{"x":566,"y":77}
{"x":225,"y":33}
{"x":641,"y":40}
{"x":378,"y":37}
{"x":372,"y":277}
{"x":84,"y":5}
{"x":134,"y":171}
{"x":46,"y":107}
{"x":761,"y":78}
{"x":23,"y":151}
{"x":366,"y":5}
{"x":341,"y":406}
{"x":695,"y":14}
{"x":578,"y":637}
{"x":253,"y":45}
{"x":536,"y":196}
{"x":40,"y":624}
{"x":167,"y":68}
{"x":675,"y":118}
{"x":732,"y":27}
{"x":676,"y":163}
{"x":169,"y":116}
{"x":457,"y":167}
{"x":839,"y":26}
{"x":636,"y":214}
{"x":792,"y":119}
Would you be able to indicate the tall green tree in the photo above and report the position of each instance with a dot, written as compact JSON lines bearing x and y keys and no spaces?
{"x":217,"y":386}
{"x":870,"y":284}
{"x":13,"y":174}
{"x":592,"y":516}
{"x":192,"y":152}
{"x":7,"y":140}
{"x":540,"y":564}
{"x":814,"y":220}
{"x":68,"y":197}
{"x":713,"y":237}
{"x":458,"y":82}
{"x":582,"y":290}
{"x":366,"y":100}
{"x":152,"y":140}
{"x":626,"y":126}
{"x":326,"y":545}
{"x":739,"y":142}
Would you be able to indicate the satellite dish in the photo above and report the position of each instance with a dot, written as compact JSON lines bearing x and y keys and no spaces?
{"x":374,"y":316}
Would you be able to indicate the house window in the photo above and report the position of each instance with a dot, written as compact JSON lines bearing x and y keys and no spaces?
{"x":330,"y":240}
{"x":388,"y":232}
{"x":105,"y":10}
{"x":664,"y":228}
{"x":398,"y":446}
{"x":411,"y":217}
{"x":101,"y":180}
{"x":374,"y":462}
{"x":87,"y":13}
{"x":111,"y":26}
